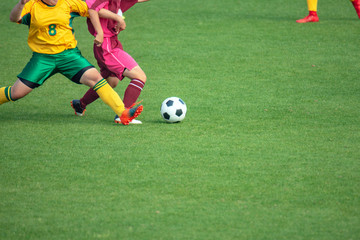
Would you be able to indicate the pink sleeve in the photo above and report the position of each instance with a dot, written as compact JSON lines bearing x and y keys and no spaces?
{"x":90,"y":3}
{"x":97,"y":4}
{"x":126,"y":4}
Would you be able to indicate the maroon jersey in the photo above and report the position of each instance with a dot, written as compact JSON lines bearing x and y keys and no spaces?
{"x":111,"y":5}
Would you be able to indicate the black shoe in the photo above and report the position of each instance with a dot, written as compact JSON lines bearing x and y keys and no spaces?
{"x":76,"y":105}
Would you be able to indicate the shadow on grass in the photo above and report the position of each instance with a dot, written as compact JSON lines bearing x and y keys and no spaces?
{"x":51,"y":117}
{"x":66,"y":118}
{"x":293,"y":17}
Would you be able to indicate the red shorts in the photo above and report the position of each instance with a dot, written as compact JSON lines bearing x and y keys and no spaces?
{"x":112,"y":59}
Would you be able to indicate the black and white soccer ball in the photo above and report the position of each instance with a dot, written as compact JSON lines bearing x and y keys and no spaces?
{"x":173,"y":110}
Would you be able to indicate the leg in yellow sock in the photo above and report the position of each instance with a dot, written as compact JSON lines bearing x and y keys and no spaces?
{"x":109,"y":96}
{"x":93,"y":79}
{"x":14,"y":92}
{"x":5,"y":95}
{"x":312,"y":5}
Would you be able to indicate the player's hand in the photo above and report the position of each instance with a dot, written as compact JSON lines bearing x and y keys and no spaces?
{"x":120,"y":25}
{"x":99,"y":39}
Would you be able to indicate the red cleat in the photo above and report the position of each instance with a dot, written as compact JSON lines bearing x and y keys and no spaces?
{"x":309,"y":18}
{"x":356,"y":4}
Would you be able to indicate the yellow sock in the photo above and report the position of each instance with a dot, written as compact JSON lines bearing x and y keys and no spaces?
{"x":109,"y":96}
{"x":5,"y":95}
{"x":312,"y":5}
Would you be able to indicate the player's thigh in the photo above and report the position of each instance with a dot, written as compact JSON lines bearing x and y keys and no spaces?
{"x":117,"y":61}
{"x":77,"y":68}
{"x":39,"y":68}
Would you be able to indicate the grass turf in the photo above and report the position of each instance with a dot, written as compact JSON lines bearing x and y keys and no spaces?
{"x":269,"y":148}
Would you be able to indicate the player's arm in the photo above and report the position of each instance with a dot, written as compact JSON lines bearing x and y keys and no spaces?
{"x":121,"y":25}
{"x":139,"y":1}
{"x":94,"y":18}
{"x":15,"y":15}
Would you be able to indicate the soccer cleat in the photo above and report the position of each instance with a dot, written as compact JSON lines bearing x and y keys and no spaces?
{"x":356,"y":4}
{"x":134,"y":121}
{"x":79,"y":110}
{"x":309,"y":18}
{"x":130,"y":113}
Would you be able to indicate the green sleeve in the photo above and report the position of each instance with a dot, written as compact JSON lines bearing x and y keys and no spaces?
{"x":26,"y":19}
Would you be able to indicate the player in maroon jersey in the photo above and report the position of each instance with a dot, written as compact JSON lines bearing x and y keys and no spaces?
{"x":105,"y":23}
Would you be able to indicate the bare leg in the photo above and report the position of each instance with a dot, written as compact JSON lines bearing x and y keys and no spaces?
{"x":135,"y":73}
{"x":90,"y":77}
{"x":19,"y":90}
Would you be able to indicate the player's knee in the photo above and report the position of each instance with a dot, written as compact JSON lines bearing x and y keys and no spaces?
{"x":19,"y":90}
{"x":15,"y":94}
{"x":136,"y":73}
{"x":90,"y":77}
{"x":143,"y":78}
{"x":140,"y":74}
{"x":90,"y":82}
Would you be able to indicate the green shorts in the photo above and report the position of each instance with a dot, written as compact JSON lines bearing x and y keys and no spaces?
{"x":69,"y":63}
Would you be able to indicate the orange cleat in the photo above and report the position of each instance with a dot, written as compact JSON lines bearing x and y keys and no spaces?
{"x":356,"y":4}
{"x":133,"y":122}
{"x":309,"y":18}
{"x":130,"y":113}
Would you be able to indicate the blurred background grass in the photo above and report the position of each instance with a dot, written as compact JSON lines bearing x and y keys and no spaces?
{"x":268,"y":150}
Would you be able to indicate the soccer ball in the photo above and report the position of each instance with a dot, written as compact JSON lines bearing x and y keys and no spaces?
{"x":173,"y":109}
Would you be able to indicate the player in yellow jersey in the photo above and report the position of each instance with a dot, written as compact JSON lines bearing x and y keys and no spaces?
{"x":313,"y":17}
{"x":52,"y":40}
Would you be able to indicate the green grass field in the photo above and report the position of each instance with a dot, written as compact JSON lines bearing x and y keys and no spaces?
{"x":269,"y":149}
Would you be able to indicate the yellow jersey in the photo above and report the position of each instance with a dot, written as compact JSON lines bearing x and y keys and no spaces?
{"x":50,"y":27}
